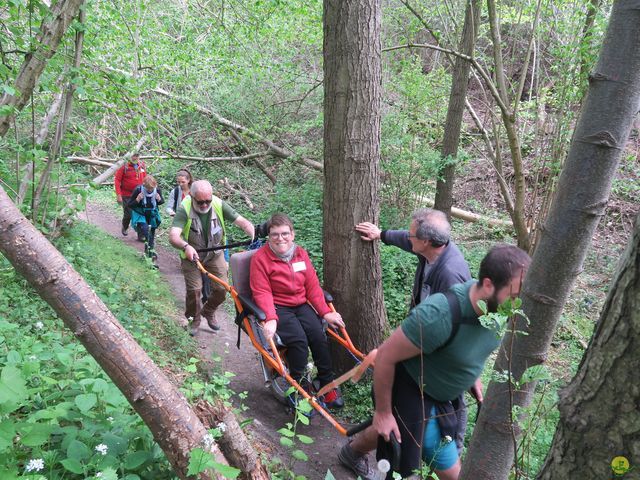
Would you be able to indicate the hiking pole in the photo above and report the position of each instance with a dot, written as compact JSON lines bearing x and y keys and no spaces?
{"x":223,"y":247}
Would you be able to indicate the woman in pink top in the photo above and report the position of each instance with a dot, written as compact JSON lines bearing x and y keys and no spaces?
{"x":286,"y":287}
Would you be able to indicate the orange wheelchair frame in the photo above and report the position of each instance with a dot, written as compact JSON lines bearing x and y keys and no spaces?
{"x":270,"y":353}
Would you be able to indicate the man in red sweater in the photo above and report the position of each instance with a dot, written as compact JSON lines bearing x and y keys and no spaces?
{"x":127,"y":178}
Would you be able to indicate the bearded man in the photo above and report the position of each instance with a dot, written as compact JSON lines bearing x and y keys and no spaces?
{"x":200,"y":223}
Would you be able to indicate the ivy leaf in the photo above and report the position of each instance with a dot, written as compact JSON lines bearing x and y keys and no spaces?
{"x":135,"y":459}
{"x":13,"y":390}
{"x":304,"y":439}
{"x":287,"y":442}
{"x":86,"y":402}
{"x":7,"y":432}
{"x":35,"y":434}
{"x":78,"y":451}
{"x":300,"y":455}
{"x":72,"y":465}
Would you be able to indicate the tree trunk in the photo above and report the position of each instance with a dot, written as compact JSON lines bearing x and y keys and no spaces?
{"x":51,"y":32}
{"x":599,"y":417}
{"x":453,"y":125}
{"x":352,"y":73}
{"x":63,"y":119}
{"x":109,"y":172}
{"x":583,"y":190}
{"x":160,"y":404}
{"x":509,"y":121}
{"x":28,"y":176}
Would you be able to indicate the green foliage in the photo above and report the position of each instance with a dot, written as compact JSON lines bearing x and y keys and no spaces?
{"x":289,"y":438}
{"x":56,"y":403}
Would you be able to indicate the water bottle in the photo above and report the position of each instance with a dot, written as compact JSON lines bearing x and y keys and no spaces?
{"x":383,"y":468}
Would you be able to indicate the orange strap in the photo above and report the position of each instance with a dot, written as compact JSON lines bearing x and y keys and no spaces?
{"x":354,"y":374}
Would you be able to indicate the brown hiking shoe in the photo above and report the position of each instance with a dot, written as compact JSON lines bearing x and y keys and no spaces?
{"x":212,"y":321}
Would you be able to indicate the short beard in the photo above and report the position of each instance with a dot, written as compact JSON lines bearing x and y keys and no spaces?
{"x":201,"y":211}
{"x":492,"y":303}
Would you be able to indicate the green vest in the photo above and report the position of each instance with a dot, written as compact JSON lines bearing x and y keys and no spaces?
{"x":216,"y":204}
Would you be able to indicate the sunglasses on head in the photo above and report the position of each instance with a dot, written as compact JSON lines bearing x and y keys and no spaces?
{"x":203,"y":202}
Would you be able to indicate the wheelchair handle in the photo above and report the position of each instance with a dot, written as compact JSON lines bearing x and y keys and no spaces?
{"x":395,"y":445}
{"x":223,"y":247}
{"x":359,"y":427}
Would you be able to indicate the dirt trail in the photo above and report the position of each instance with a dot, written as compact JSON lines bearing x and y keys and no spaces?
{"x":268,"y":415}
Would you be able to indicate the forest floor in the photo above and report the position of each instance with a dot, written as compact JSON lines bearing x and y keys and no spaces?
{"x":218,"y":351}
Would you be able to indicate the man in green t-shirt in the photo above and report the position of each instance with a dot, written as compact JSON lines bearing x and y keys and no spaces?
{"x":199,"y":223}
{"x":421,"y":370}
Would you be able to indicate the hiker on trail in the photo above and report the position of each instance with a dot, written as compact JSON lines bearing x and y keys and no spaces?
{"x":127,"y":178}
{"x":145,"y":214}
{"x":200,"y":222}
{"x":440,"y":266}
{"x":437,"y":354}
{"x":285,"y":286}
{"x":180,"y":192}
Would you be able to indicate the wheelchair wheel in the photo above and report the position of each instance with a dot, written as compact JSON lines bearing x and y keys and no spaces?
{"x":279,"y":387}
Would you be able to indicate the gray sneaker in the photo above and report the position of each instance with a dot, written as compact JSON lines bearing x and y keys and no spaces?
{"x":356,"y":462}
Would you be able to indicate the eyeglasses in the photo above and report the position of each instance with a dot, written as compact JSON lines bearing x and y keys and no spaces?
{"x":275,"y":236}
{"x":412,"y":236}
{"x":203,"y":202}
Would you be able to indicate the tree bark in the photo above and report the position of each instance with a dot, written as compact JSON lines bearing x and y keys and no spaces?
{"x":51,"y":32}
{"x":28,"y":176}
{"x":160,"y":404}
{"x":509,"y":121}
{"x":109,"y":172}
{"x":453,"y":124}
{"x":63,"y":119}
{"x":352,"y":73}
{"x":599,"y":417}
{"x":610,"y":107}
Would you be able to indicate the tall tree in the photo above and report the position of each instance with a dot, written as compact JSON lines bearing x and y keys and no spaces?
{"x":352,"y":82}
{"x":63,"y":119}
{"x":453,"y":124}
{"x":46,"y":45}
{"x":600,"y":137}
{"x":589,"y":436}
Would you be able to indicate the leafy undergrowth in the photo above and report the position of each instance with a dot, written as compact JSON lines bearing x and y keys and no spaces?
{"x":61,"y":416}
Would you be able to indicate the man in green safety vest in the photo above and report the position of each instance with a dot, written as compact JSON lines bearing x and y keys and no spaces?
{"x":199,"y":223}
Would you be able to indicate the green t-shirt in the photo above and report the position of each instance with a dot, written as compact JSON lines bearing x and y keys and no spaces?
{"x":448,"y":372}
{"x":180,"y":218}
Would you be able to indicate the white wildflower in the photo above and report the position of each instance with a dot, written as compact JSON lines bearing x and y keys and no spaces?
{"x":110,"y":419}
{"x":39,"y":325}
{"x":447,"y":439}
{"x":32,"y":357}
{"x":208,"y":441}
{"x":99,"y":474}
{"x":34,"y":465}
{"x":102,"y":449}
{"x":222,"y":427}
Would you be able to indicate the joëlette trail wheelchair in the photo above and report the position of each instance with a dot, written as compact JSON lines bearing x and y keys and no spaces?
{"x":272,"y":352}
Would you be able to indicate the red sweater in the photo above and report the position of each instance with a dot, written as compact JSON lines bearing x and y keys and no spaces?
{"x":128,"y":178}
{"x":276,"y":282}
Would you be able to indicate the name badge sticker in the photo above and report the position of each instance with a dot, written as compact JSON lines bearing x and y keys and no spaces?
{"x":299,"y":266}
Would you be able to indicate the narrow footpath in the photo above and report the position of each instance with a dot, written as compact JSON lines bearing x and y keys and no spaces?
{"x":267,"y":413}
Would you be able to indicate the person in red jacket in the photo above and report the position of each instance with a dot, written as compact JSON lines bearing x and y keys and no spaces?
{"x":286,"y":287}
{"x":127,"y":178}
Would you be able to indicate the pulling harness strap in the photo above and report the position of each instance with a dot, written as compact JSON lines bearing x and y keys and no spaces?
{"x":456,"y":318}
